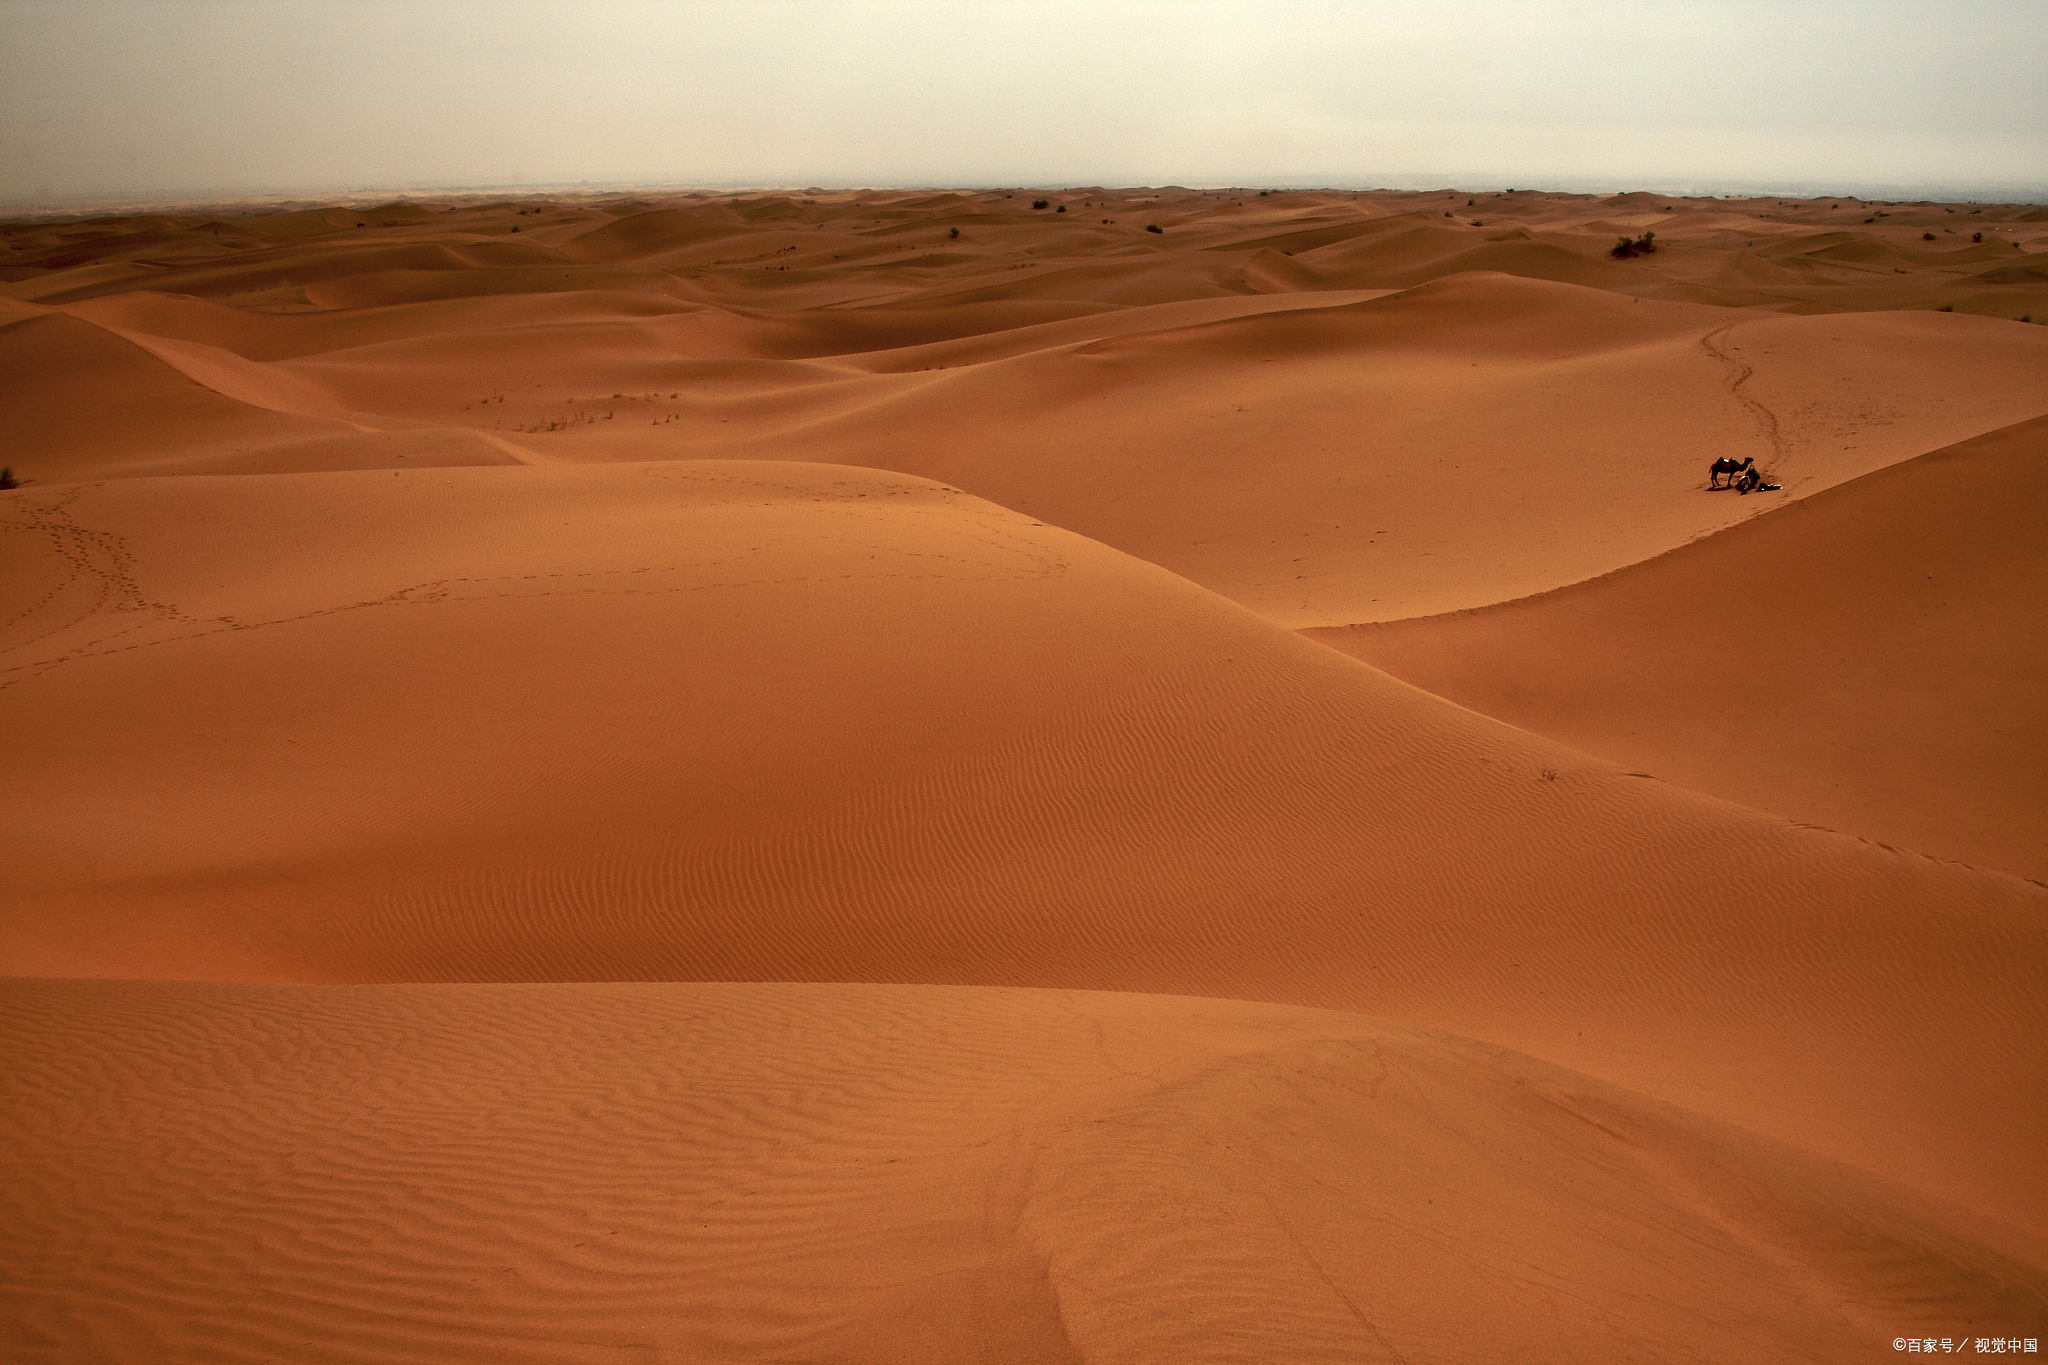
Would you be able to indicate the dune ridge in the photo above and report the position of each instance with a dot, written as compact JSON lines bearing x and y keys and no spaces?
{"x":1926,"y":728}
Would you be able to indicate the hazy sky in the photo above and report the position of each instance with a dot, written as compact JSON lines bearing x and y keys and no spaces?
{"x":176,"y":97}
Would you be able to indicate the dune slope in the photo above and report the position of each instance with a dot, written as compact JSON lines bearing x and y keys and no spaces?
{"x":1322,"y":459}
{"x":1857,"y":660}
{"x":848,"y":1173}
{"x":775,"y":722}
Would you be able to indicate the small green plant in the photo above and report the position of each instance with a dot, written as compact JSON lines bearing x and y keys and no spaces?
{"x":954,"y":232}
{"x":1040,"y":203}
{"x":1644,"y":245}
{"x":1154,"y":227}
{"x":1976,"y":236}
{"x":1926,"y":236}
{"x":1061,"y":209}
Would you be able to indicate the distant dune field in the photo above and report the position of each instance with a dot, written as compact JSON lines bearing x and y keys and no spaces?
{"x":910,"y":777}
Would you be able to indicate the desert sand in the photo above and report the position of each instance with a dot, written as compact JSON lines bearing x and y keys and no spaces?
{"x":898,"y":777}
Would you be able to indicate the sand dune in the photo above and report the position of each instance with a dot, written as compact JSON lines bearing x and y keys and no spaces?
{"x":1478,"y":438}
{"x":442,"y":639}
{"x":650,"y":234}
{"x":1850,"y":661}
{"x":784,"y":722}
{"x":585,"y":1173}
{"x":76,"y":393}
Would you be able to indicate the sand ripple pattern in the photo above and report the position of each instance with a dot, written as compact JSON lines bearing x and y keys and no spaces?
{"x":677,"y":1173}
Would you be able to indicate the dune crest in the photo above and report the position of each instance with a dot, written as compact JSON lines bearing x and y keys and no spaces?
{"x":1925,"y":727}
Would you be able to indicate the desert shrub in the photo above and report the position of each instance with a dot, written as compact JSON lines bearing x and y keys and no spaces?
{"x":1637,"y":246}
{"x":1946,"y":308}
{"x":1262,"y":194}
{"x":954,"y":232}
{"x":1040,"y":203}
{"x":1154,"y":227}
{"x":1447,"y":213}
{"x":1976,"y":236}
{"x":1926,"y":236}
{"x":7,"y":479}
{"x":1870,"y":220}
{"x":1061,"y":209}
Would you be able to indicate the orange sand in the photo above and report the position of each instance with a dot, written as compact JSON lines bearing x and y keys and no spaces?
{"x":1926,"y":723}
{"x":781,"y":589}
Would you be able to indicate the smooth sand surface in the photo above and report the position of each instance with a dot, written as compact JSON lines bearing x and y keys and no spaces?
{"x":444,"y":640}
{"x":1865,"y":659}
